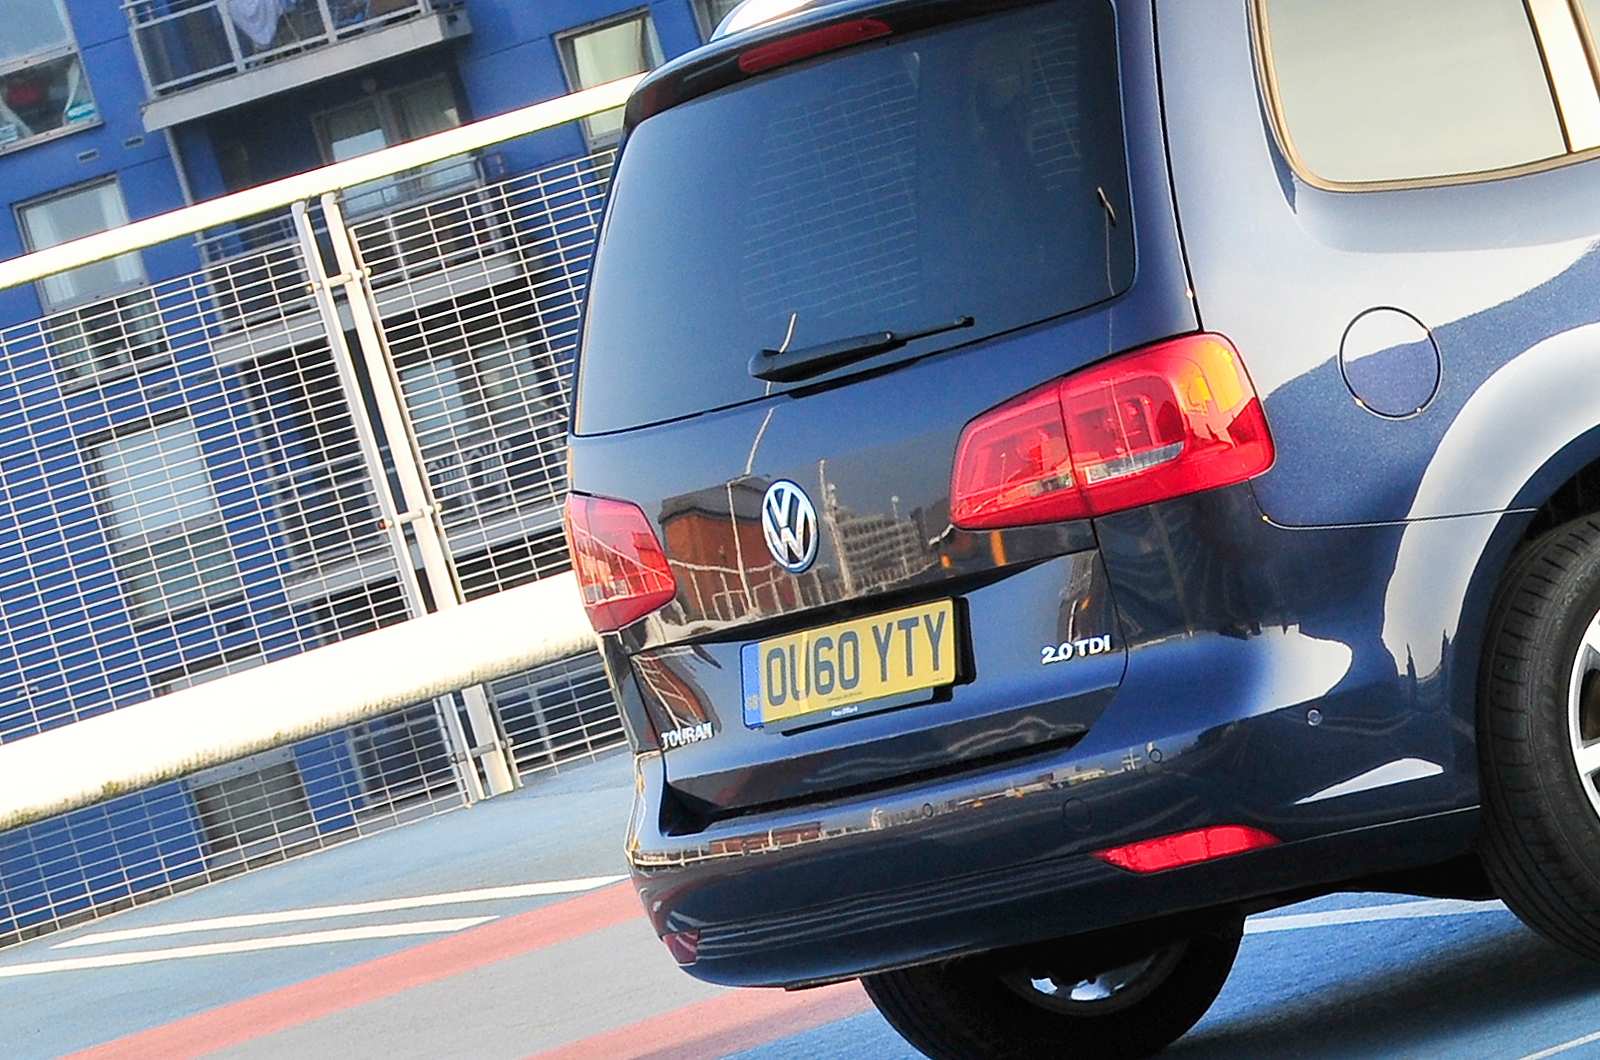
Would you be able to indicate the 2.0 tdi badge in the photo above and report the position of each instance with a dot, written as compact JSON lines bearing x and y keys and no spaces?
{"x":789,"y":523}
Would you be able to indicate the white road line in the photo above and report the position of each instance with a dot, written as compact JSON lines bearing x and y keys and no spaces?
{"x":328,"y":912}
{"x":274,"y":942}
{"x":1553,"y":1050}
{"x":1368,"y":913}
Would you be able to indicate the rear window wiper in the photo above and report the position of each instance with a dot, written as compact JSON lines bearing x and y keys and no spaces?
{"x":788,"y":366}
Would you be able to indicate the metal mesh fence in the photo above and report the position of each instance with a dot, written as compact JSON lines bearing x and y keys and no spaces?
{"x":194,"y":485}
{"x":224,"y":821}
{"x":294,"y":800}
{"x":184,"y":495}
{"x":558,"y":714}
{"x":479,"y":294}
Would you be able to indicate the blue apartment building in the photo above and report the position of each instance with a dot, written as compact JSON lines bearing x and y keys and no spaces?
{"x":191,"y":482}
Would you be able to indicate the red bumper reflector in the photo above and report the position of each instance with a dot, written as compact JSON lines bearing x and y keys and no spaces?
{"x":684,"y":946}
{"x":805,"y":45}
{"x":621,"y":568}
{"x":1168,"y":420}
{"x":1187,"y":848}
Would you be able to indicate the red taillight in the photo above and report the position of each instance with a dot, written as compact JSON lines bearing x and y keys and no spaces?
{"x":1169,"y":852}
{"x":815,"y":42}
{"x":622,"y":571}
{"x":1158,"y":423}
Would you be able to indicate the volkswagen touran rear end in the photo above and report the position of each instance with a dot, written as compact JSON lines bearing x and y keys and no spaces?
{"x":1054,"y":477}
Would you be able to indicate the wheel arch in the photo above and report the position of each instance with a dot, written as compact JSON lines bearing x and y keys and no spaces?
{"x":1565,"y":487}
{"x":1521,"y":457}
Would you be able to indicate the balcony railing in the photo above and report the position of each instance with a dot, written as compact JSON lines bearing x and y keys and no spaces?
{"x":254,"y":268}
{"x":184,"y":43}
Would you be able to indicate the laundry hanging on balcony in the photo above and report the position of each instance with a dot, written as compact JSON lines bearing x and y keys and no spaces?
{"x":258,"y":19}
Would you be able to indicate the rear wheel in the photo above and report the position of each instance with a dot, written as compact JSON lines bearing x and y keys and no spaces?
{"x":1053,"y":1007}
{"x":1539,"y":737}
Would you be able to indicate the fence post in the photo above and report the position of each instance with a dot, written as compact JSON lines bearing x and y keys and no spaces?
{"x":422,"y":513}
{"x":322,"y":290}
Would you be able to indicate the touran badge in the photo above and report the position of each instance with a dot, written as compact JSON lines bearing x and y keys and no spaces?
{"x":790,"y":524}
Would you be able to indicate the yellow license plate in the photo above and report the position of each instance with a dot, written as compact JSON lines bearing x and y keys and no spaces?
{"x":833,"y":668}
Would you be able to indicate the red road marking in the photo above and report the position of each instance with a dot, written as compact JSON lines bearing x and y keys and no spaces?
{"x":711,"y":1029}
{"x":291,"y":1006}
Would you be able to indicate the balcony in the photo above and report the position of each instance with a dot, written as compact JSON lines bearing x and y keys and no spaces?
{"x":200,"y":57}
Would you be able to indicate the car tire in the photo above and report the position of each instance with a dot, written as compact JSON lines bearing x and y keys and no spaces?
{"x":1539,"y":738}
{"x":970,"y":1009}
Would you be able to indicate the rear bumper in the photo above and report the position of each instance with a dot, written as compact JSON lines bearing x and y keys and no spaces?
{"x":900,"y":882}
{"x":1001,"y":858}
{"x":1254,"y":698}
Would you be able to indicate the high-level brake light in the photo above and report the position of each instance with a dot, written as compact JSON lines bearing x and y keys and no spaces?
{"x":1158,"y":423}
{"x":813,"y":42}
{"x":1187,"y":848}
{"x":622,"y":570}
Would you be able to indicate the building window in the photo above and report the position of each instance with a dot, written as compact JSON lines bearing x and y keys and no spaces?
{"x":73,"y":214}
{"x":105,"y":339}
{"x":165,"y":527}
{"x":710,"y":13}
{"x":602,"y":52}
{"x":42,"y":85}
{"x":364,"y":609}
{"x":322,"y":498}
{"x":384,"y":119}
{"x":109,"y":336}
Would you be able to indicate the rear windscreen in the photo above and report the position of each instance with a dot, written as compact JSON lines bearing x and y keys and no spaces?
{"x":976,"y":170}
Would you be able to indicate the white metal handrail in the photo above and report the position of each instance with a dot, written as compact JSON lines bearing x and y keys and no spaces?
{"x":306,"y":186}
{"x":307,"y":694}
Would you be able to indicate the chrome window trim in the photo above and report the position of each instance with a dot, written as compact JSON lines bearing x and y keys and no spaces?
{"x":1566,"y":64}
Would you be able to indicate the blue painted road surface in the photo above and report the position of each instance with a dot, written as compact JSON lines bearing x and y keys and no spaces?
{"x":501,"y":933}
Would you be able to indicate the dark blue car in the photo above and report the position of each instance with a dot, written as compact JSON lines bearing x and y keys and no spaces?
{"x":1055,"y":478}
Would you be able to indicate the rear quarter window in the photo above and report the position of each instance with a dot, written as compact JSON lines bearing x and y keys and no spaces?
{"x":1372,"y":91}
